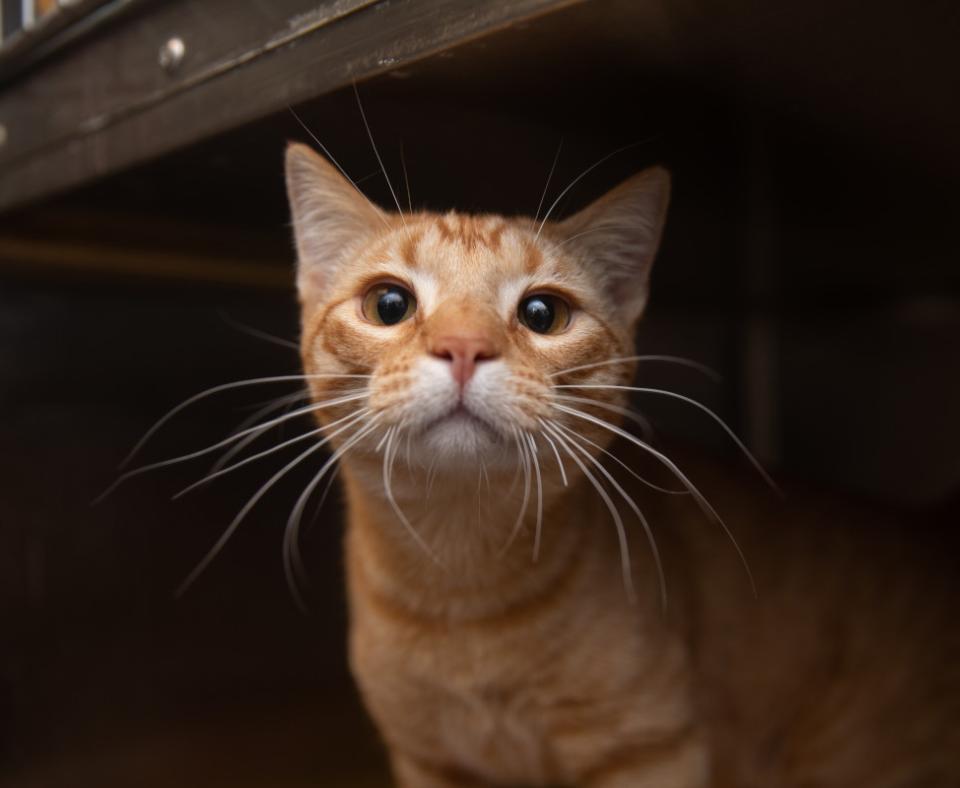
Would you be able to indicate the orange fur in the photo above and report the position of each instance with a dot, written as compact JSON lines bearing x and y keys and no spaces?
{"x":483,"y":667}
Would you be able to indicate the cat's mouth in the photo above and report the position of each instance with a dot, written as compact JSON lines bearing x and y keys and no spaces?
{"x":460,"y":417}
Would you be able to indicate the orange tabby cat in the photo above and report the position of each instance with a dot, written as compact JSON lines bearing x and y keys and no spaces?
{"x":507,"y":629}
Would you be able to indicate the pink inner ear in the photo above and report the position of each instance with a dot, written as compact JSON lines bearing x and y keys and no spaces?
{"x":330,"y":217}
{"x":619,"y":235}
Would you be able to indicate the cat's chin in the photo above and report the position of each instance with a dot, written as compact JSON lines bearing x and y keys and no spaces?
{"x":461,"y":436}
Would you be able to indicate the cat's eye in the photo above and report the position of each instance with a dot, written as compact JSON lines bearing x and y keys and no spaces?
{"x":387,"y":304}
{"x":544,"y":313}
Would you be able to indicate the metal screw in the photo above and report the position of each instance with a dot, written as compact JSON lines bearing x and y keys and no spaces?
{"x":3,"y":135}
{"x":171,"y":54}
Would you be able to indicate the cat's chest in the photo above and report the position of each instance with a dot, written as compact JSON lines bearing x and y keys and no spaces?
{"x":451,"y":698}
{"x":496,"y":728}
{"x":510,"y":703}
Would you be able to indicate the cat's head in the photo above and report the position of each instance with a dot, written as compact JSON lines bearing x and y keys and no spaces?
{"x":463,"y":322}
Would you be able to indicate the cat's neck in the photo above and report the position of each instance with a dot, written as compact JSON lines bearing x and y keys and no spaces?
{"x":456,"y":549}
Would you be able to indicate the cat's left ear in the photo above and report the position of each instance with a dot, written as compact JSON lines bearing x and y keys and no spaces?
{"x":330,"y":217}
{"x":618,"y":237}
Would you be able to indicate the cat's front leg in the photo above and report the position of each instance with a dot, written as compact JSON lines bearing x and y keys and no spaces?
{"x":684,"y":763}
{"x":410,"y":771}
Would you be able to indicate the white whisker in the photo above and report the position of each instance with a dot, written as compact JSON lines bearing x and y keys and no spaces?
{"x":355,"y":416}
{"x":525,"y":463}
{"x":336,"y":164}
{"x":625,"y":563}
{"x":377,"y":154}
{"x":576,"y":180}
{"x":479,"y":498}
{"x":216,"y":390}
{"x":483,"y":470}
{"x":563,"y":471}
{"x":619,"y":462}
{"x":276,"y":404}
{"x":292,"y":561}
{"x":636,"y":510}
{"x":256,"y":332}
{"x":407,"y":452}
{"x":323,"y":498}
{"x":664,"y":393}
{"x":406,"y":179}
{"x":235,"y":523}
{"x":633,"y":416}
{"x":431,"y":475}
{"x":388,"y":492}
{"x":546,"y":186}
{"x":679,"y":360}
{"x":565,"y":241}
{"x":313,"y":407}
{"x":536,"y":468}
{"x":517,"y":474}
{"x":236,"y":449}
{"x":697,"y":495}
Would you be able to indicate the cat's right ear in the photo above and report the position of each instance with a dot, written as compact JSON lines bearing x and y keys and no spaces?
{"x":330,"y":217}
{"x":618,"y":236}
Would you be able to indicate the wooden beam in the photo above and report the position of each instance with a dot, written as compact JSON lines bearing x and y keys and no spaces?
{"x":106,"y":104}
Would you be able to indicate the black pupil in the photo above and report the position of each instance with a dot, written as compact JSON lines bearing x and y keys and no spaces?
{"x":538,"y":314}
{"x":392,"y":305}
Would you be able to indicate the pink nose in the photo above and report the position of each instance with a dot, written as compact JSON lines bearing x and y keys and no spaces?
{"x":463,"y":353}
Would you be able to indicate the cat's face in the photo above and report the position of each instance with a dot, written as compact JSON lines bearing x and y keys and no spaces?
{"x":463,"y":323}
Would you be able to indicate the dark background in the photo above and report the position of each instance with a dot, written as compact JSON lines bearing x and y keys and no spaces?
{"x":811,"y":256}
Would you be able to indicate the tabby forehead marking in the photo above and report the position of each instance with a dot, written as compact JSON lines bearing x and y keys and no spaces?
{"x":409,"y":246}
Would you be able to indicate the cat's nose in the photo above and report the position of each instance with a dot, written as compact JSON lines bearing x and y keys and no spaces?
{"x":463,"y":353}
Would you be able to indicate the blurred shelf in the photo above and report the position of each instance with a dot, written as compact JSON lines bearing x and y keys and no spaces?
{"x":152,"y":77}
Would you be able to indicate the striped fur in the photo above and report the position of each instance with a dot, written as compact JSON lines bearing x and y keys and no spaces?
{"x":482,"y":667}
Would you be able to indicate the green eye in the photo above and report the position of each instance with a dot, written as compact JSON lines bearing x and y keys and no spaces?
{"x":544,"y":313}
{"x":387,"y":304}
